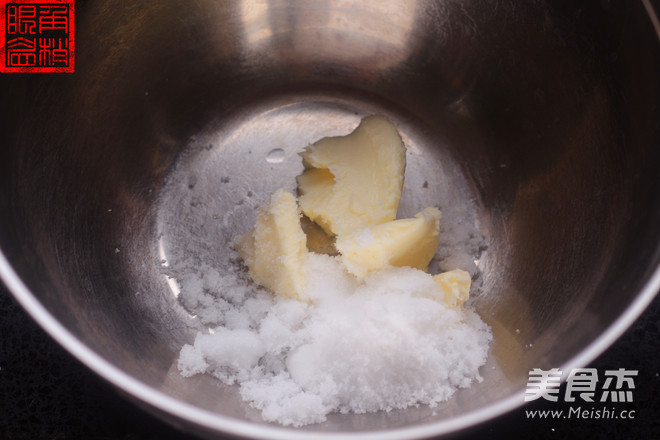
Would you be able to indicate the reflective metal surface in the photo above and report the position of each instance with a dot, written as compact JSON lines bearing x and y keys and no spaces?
{"x":537,"y":122}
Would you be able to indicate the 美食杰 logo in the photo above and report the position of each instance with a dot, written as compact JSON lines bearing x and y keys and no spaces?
{"x":590,"y":395}
{"x":583,"y":383}
{"x":37,"y":36}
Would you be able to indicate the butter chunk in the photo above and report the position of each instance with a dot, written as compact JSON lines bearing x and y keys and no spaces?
{"x":354,"y":181}
{"x":407,"y":242}
{"x":453,"y":287}
{"x":275,"y":250}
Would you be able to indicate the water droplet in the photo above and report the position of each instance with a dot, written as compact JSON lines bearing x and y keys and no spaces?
{"x":275,"y":155}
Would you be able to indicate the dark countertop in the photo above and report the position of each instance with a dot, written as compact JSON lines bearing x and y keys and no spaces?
{"x":47,"y":394}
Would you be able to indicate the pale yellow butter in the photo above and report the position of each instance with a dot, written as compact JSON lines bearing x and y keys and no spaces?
{"x":351,"y":189}
{"x":407,"y":242}
{"x":275,"y":250}
{"x":354,"y":181}
{"x":453,"y":287}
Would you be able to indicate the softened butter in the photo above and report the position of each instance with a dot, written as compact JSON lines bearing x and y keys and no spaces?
{"x":408,"y":242}
{"x":276,"y":248}
{"x":354,"y":181}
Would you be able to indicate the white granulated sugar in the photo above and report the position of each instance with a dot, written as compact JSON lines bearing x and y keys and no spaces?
{"x":365,"y":238}
{"x":375,"y":346}
{"x":228,"y":354}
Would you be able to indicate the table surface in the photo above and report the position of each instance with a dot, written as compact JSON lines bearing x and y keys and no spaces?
{"x":47,"y":394}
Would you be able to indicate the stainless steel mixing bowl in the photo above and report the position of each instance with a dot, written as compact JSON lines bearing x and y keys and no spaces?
{"x":537,"y":122}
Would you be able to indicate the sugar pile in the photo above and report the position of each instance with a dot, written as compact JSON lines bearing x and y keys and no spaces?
{"x":374,"y":346}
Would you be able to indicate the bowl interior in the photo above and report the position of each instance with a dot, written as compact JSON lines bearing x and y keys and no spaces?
{"x":532,"y":126}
